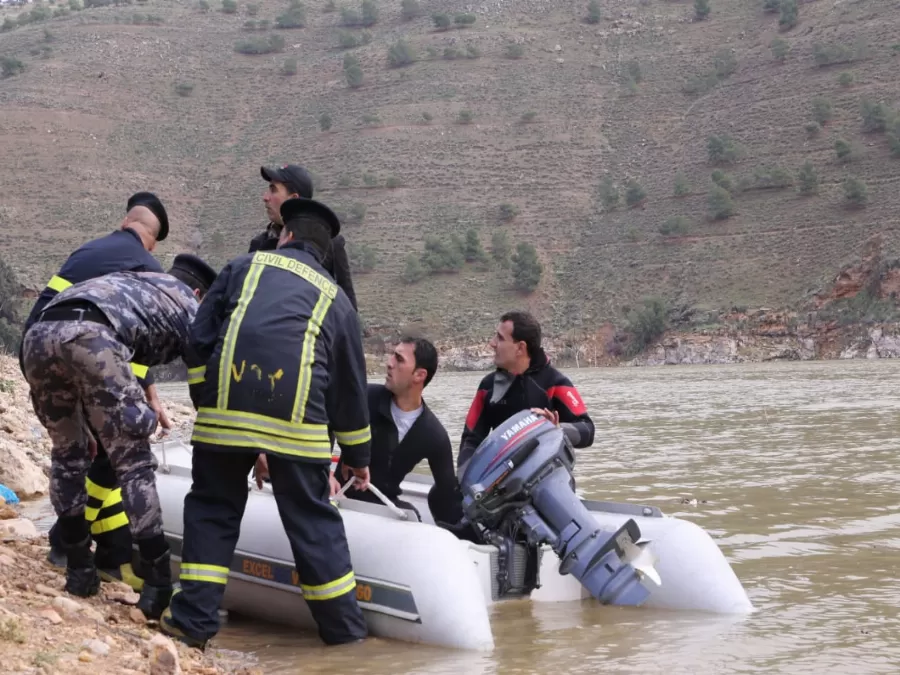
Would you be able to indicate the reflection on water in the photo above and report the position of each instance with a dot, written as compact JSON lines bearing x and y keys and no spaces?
{"x":797,"y":464}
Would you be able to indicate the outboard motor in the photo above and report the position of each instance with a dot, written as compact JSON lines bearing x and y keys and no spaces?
{"x":518,"y":486}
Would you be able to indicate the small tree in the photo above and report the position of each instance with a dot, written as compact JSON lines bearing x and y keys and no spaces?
{"x":723,"y":180}
{"x":229,"y":6}
{"x":369,"y":13}
{"x":500,"y":248}
{"x":513,"y":51}
{"x":720,"y":204}
{"x":528,"y":117}
{"x":780,"y":49}
{"x":807,"y":179}
{"x":410,"y":9}
{"x":722,"y":149}
{"x":855,"y":192}
{"x":701,"y":9}
{"x":473,"y":250}
{"x":508,"y":211}
{"x":441,"y":21}
{"x":294,"y":17}
{"x":414,"y":271}
{"x":352,"y":71}
{"x":400,"y":54}
{"x":609,"y":194}
{"x":772,"y":6}
{"x":822,"y":110}
{"x":10,"y":66}
{"x":843,"y":150}
{"x":682,"y":186}
{"x":593,"y":12}
{"x":646,"y":324}
{"x":465,"y":117}
{"x":875,"y":116}
{"x":789,"y":13}
{"x":845,"y":79}
{"x":325,"y":121}
{"x":364,"y":259}
{"x":634,"y":193}
{"x":290,"y":67}
{"x":463,"y":20}
{"x":527,"y":268}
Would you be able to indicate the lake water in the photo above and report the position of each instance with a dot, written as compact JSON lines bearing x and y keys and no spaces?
{"x":794,"y":469}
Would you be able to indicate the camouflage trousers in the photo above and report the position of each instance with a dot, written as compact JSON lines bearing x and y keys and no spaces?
{"x":79,"y":369}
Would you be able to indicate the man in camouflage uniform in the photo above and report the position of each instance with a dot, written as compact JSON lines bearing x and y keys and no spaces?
{"x":76,"y":359}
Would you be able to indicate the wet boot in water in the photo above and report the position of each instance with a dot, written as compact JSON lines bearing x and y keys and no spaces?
{"x":157,"y":590}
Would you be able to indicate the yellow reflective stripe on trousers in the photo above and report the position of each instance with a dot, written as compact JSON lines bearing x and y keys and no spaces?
{"x":213,"y":574}
{"x":308,"y":355}
{"x":197,"y":375}
{"x":251,"y":281}
{"x":262,"y":424}
{"x":109,"y":524}
{"x":58,"y":284}
{"x":332,"y":589}
{"x":97,"y":491}
{"x":242,"y":438}
{"x":353,"y":437}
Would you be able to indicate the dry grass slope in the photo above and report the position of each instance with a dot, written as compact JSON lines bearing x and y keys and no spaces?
{"x":100,"y":116}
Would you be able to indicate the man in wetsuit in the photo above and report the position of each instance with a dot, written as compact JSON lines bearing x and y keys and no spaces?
{"x":524,"y":379}
{"x":405,"y":431}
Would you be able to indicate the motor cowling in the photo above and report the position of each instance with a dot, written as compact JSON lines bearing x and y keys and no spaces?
{"x":518,"y":485}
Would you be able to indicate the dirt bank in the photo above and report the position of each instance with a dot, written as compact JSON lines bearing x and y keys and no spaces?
{"x":45,"y":630}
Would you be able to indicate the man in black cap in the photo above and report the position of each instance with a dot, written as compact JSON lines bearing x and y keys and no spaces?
{"x":76,"y":362}
{"x":276,"y":361}
{"x":128,"y":248}
{"x":289,"y":182}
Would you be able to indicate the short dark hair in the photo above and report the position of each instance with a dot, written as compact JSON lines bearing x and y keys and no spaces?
{"x":525,"y":329}
{"x":189,"y":280}
{"x":311,"y":229}
{"x":425,"y":355}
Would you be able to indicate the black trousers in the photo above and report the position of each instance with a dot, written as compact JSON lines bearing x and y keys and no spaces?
{"x":213,"y":510}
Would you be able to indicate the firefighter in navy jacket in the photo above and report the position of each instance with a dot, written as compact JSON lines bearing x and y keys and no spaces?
{"x":524,"y":379}
{"x":277,"y":360}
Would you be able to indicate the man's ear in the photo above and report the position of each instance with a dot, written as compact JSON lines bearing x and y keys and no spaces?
{"x":197,"y":294}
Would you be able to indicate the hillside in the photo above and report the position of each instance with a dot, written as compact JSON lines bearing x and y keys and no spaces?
{"x":97,"y":113}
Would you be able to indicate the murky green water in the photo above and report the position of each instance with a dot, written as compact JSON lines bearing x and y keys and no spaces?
{"x":798,"y":464}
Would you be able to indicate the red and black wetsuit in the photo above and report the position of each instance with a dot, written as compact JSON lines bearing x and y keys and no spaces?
{"x":501,"y":395}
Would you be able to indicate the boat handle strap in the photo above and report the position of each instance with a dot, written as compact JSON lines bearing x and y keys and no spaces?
{"x":396,"y":510}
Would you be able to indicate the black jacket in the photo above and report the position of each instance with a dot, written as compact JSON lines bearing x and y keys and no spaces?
{"x":499,"y":396}
{"x":118,"y":251}
{"x":336,"y":261}
{"x":277,"y":360}
{"x":392,"y":461}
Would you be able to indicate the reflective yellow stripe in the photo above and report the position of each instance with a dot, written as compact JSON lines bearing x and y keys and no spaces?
{"x":96,"y":491}
{"x":303,"y":271}
{"x":197,"y":375}
{"x":90,"y":513}
{"x":213,"y":574}
{"x":139,"y":370}
{"x":242,"y":438}
{"x":58,"y":284}
{"x":332,"y":589}
{"x":251,"y":281}
{"x":238,"y":419}
{"x":109,"y":524}
{"x":308,"y":355}
{"x":115,"y":497}
{"x":353,"y":437}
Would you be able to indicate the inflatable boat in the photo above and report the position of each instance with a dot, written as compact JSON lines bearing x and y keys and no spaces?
{"x":525,"y":535}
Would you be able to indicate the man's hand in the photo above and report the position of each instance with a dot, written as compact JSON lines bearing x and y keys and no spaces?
{"x":362,"y":476}
{"x":261,"y":470}
{"x":335,"y":486}
{"x":154,"y":402}
{"x":550,"y":415}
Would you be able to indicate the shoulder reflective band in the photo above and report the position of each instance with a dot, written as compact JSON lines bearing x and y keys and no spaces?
{"x":58,"y":284}
{"x":139,"y":370}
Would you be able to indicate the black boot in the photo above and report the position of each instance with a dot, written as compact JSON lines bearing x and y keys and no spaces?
{"x":56,"y":556}
{"x":82,"y":578}
{"x":157,"y":590}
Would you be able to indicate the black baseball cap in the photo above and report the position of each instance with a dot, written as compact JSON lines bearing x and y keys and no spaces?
{"x":151,"y":201}
{"x":296,"y":178}
{"x":194,"y":267}
{"x":295,"y":207}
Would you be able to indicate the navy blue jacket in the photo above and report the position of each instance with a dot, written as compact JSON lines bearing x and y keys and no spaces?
{"x":276,"y":359}
{"x":119,"y":251}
